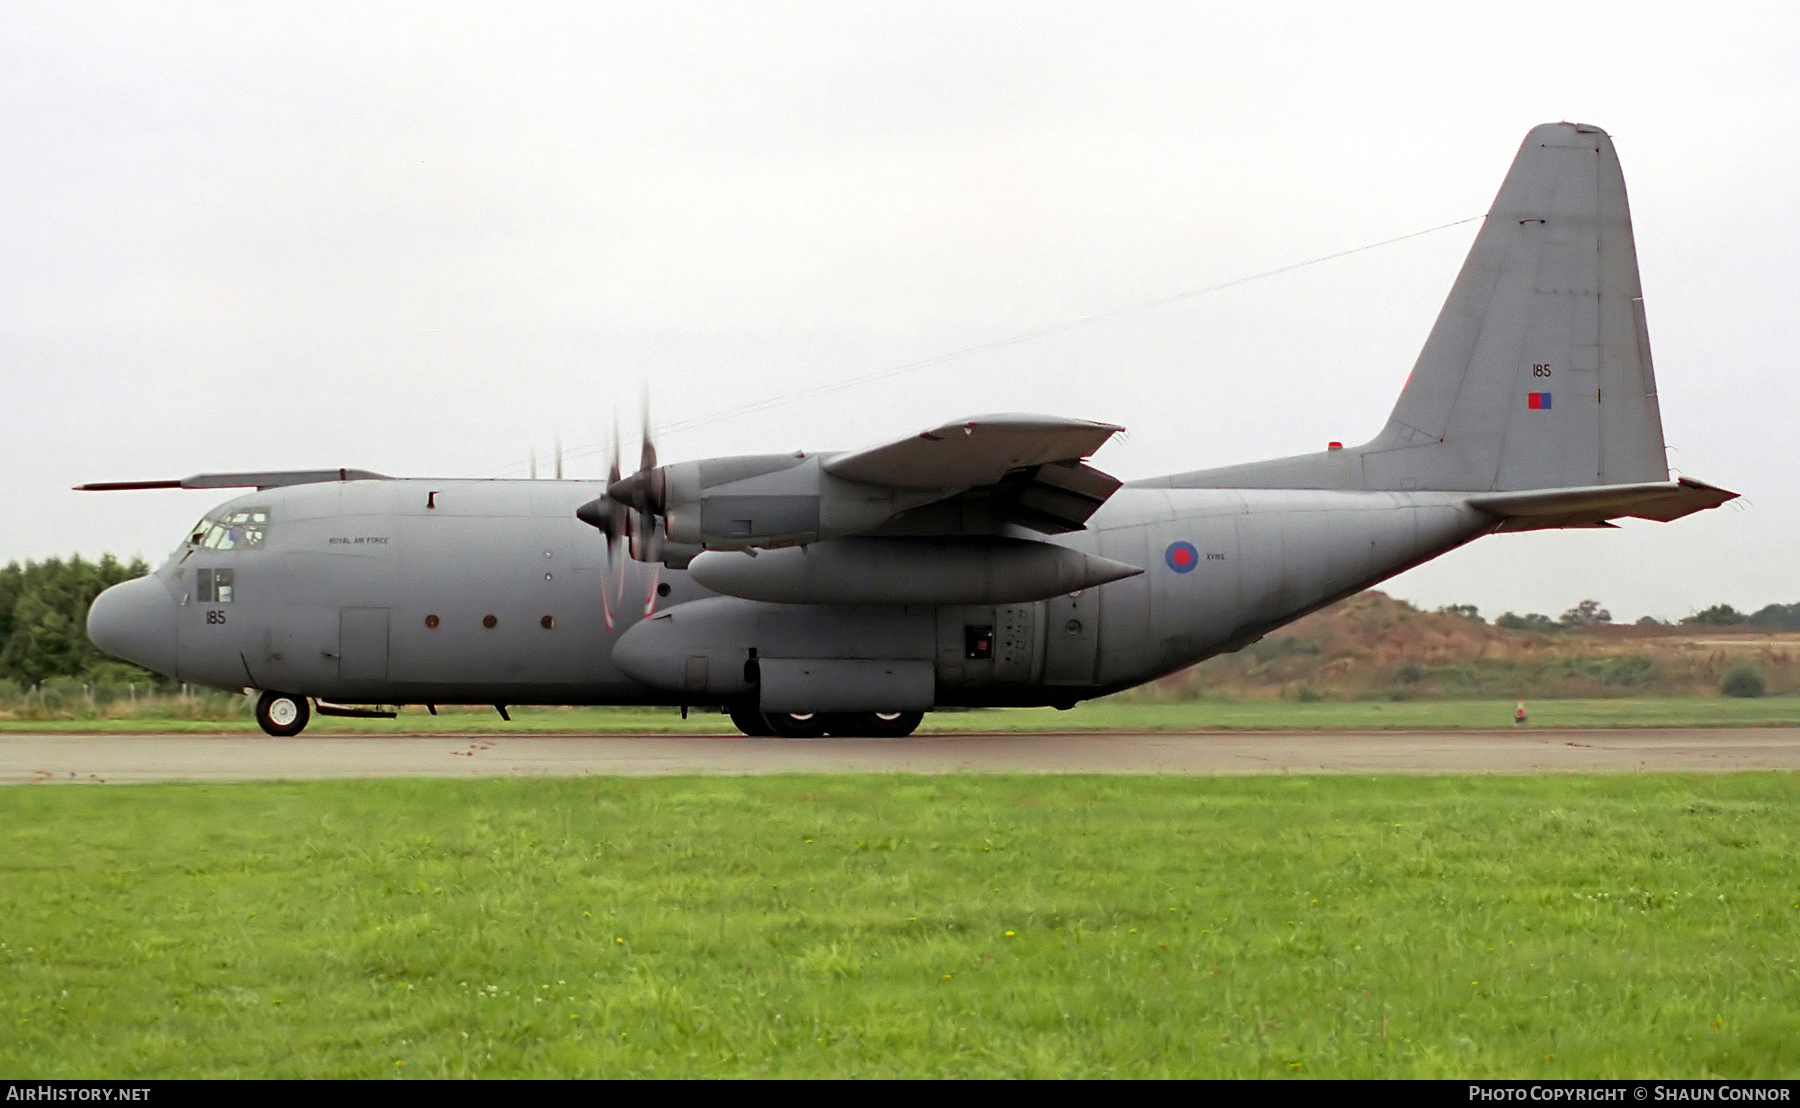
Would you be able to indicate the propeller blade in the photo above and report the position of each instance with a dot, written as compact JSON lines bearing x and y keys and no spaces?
{"x":647,"y":459}
{"x":612,"y":474}
{"x":651,"y":594}
{"x":627,"y":516}
{"x":615,"y":510}
{"x":632,"y":514}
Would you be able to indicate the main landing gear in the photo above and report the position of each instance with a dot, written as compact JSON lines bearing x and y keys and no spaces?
{"x":282,"y":715}
{"x":810,"y":725}
{"x":285,"y":715}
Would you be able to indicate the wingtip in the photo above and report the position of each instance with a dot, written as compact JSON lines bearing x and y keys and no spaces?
{"x":125,"y":486}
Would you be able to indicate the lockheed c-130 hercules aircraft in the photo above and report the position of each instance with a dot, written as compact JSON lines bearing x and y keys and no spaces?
{"x":983,"y":562}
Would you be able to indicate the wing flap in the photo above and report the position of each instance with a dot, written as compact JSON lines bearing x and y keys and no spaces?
{"x":1061,"y":496}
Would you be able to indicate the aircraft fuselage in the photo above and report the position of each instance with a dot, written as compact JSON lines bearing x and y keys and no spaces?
{"x":492,"y":592}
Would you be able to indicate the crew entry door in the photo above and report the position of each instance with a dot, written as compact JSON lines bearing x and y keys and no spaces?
{"x":363,"y":645}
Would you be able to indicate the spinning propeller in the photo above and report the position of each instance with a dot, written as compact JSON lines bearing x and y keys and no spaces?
{"x":628,"y":515}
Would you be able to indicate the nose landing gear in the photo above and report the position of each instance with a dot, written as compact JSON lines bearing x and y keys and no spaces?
{"x":282,"y":715}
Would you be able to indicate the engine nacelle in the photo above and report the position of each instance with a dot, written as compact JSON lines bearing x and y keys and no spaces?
{"x":961,"y":570}
{"x":764,"y":499}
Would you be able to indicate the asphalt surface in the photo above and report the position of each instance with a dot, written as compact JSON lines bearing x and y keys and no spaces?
{"x":27,"y":758}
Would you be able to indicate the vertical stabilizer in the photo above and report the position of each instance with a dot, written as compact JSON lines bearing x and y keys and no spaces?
{"x":1537,"y":374}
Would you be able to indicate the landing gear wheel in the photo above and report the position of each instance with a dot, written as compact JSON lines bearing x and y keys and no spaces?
{"x":875,"y":725}
{"x":796,"y":725}
{"x":751,"y":722}
{"x":282,"y":715}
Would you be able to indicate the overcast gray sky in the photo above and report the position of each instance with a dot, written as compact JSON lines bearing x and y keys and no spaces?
{"x":428,"y":239}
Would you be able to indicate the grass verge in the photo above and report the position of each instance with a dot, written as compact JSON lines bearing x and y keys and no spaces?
{"x":890,"y":926}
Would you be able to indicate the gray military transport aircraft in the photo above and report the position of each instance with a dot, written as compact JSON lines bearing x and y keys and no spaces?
{"x":983,"y":562}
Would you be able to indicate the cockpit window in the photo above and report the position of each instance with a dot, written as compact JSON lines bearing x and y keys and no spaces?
{"x":238,"y":529}
{"x":214,"y":586}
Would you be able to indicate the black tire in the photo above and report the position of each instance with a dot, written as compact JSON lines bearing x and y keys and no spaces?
{"x":874,"y":725}
{"x":796,"y":725}
{"x":282,"y":715}
{"x":751,"y":722}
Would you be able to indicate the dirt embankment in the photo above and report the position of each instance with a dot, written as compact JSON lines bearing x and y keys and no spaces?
{"x":1372,"y":645}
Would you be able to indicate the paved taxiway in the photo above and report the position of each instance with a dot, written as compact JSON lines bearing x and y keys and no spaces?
{"x":116,"y":759}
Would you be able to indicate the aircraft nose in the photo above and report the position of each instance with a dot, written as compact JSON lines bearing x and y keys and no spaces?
{"x":135,"y":620}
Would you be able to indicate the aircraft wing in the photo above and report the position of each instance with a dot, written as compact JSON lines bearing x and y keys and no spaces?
{"x":1025,"y":469}
{"x":267,"y":479}
{"x":970,"y":452}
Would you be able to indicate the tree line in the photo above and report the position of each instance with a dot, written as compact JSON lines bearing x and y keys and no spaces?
{"x":1589,"y":613}
{"x":43,"y":620}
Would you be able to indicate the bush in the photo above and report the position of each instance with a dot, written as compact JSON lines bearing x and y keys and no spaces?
{"x":1719,"y":615}
{"x":1631,"y":671}
{"x":1783,"y":617}
{"x":1530,"y":621}
{"x":1743,"y":681}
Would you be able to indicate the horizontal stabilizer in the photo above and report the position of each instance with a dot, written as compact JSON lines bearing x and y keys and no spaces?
{"x":266,"y":480}
{"x":1593,"y":505}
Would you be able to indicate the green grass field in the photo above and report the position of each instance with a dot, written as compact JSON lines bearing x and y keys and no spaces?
{"x":1111,"y":714}
{"x":874,"y":926}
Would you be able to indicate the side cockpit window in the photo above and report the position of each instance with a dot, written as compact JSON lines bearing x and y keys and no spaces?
{"x":237,"y":529}
{"x":213,"y":586}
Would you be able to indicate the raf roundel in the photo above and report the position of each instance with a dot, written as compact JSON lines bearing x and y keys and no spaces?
{"x":1181,"y":556}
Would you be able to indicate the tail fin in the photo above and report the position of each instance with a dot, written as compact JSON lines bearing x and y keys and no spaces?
{"x":1537,"y":374}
